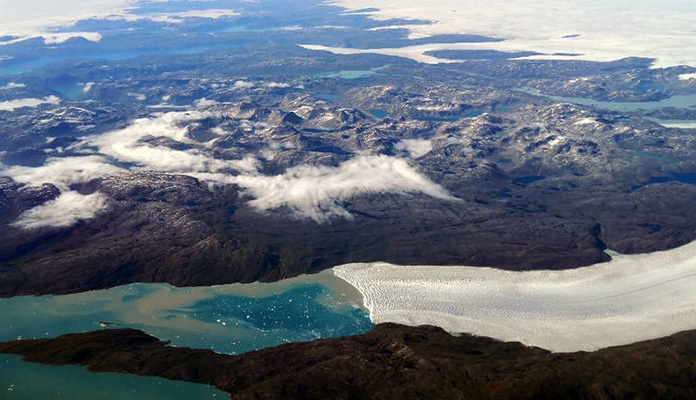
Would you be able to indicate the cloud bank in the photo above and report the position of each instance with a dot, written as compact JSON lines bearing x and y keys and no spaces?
{"x":313,"y":192}
{"x":70,"y":207}
{"x":414,"y":147}
{"x":629,"y":299}
{"x":316,"y":192}
{"x":595,"y":31}
{"x":178,"y":17}
{"x":163,"y":143}
{"x":62,"y":172}
{"x":13,"y":85}
{"x":11,"y":105}
{"x":129,"y":145}
{"x":67,"y":209}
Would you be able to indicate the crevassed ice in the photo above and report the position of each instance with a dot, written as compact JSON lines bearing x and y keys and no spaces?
{"x":629,"y":299}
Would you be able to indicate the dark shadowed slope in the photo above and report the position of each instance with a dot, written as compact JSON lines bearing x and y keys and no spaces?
{"x":391,"y":362}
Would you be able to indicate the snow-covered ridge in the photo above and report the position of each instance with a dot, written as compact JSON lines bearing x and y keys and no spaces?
{"x":629,"y":299}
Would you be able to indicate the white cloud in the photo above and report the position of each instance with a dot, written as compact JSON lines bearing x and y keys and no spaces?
{"x":309,"y":191}
{"x":65,"y":210}
{"x":170,"y":125}
{"x":248,"y":164}
{"x":62,"y":37}
{"x":138,"y":96}
{"x":415,"y":147}
{"x":202,"y":103}
{"x":11,"y":105}
{"x":243,"y":84}
{"x":87,"y":87}
{"x":62,"y":172}
{"x":631,"y":298}
{"x":178,"y":17}
{"x":126,"y":144}
{"x":688,"y":77}
{"x":316,"y":192}
{"x":313,"y":192}
{"x":597,"y":30}
{"x":13,"y":85}
{"x":276,"y":85}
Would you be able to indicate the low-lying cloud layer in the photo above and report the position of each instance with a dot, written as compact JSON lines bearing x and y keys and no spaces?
{"x":415,"y":147}
{"x":163,"y":142}
{"x":11,"y":105}
{"x":316,"y":192}
{"x":62,"y":172}
{"x":67,"y":209}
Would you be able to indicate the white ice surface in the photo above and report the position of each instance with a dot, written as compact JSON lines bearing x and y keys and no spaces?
{"x":558,"y":29}
{"x":629,"y":299}
{"x":22,"y":20}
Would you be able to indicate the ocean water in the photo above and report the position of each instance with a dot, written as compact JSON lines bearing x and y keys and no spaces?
{"x":26,"y":381}
{"x":228,"y":319}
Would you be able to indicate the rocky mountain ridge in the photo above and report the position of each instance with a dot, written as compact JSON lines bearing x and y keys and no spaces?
{"x":540,"y":186}
{"x":391,"y":361}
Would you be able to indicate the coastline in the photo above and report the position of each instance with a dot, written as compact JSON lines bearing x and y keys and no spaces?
{"x":626,"y":300}
{"x":229,"y":319}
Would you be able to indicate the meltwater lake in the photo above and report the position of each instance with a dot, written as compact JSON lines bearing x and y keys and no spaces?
{"x":229,"y":319}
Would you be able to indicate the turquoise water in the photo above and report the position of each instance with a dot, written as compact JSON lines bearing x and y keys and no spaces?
{"x":352,"y":74}
{"x":452,"y":118}
{"x":328,"y":96}
{"x":304,"y":313}
{"x":348,"y":74}
{"x":677,"y":101}
{"x":26,"y":381}
{"x":378,"y":113}
{"x":228,"y":319}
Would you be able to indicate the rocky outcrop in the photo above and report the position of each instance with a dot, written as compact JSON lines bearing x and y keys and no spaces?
{"x":541,"y":187}
{"x":391,"y":361}
{"x":540,"y":184}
